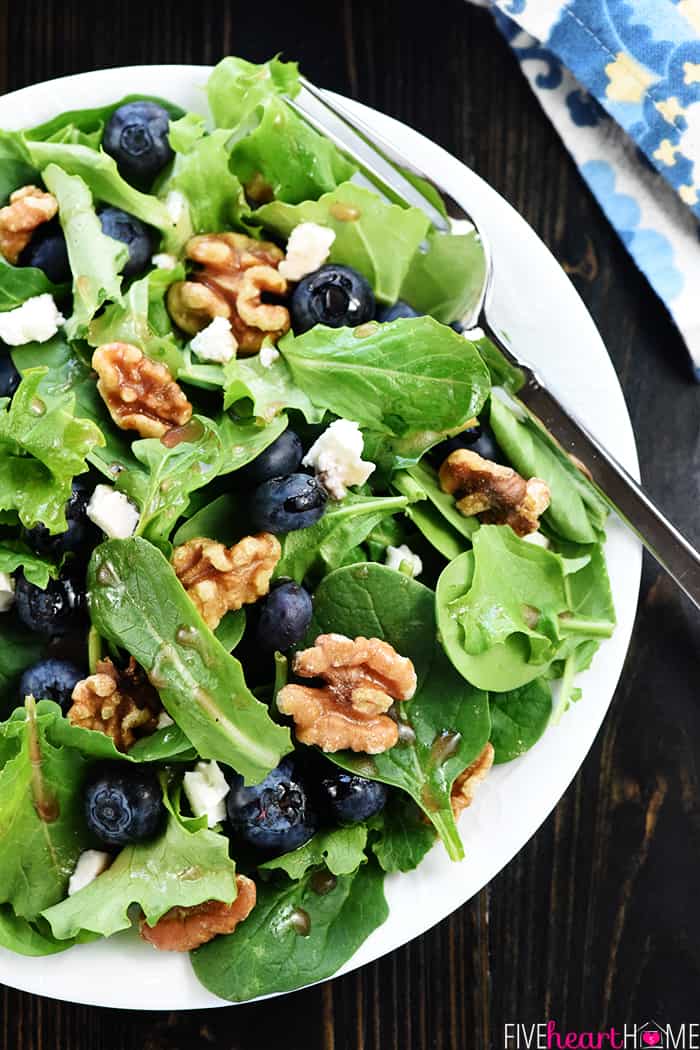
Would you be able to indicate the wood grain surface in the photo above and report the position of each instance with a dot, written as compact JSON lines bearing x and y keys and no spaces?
{"x":597,"y":920}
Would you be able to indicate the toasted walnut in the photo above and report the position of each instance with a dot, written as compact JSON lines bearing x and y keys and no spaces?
{"x":236,"y":271}
{"x":465,"y":785}
{"x":184,"y":929}
{"x":140,"y":394}
{"x":497,"y":494}
{"x":121,"y":704}
{"x":29,"y":208}
{"x":362,"y":679}
{"x":220,"y":579}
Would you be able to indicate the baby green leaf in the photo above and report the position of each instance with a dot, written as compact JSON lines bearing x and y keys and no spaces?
{"x":270,"y":390}
{"x":137,"y":602}
{"x":19,"y":935}
{"x":403,"y":834}
{"x":236,"y":87}
{"x":19,"y":649}
{"x":244,"y":440}
{"x":341,"y":850}
{"x":433,"y":511}
{"x":19,"y":283}
{"x":201,"y":171}
{"x":519,"y":718}
{"x":14,"y":553}
{"x":447,"y":280}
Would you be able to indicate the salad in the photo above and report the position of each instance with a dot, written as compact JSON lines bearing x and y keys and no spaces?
{"x":282,"y":573}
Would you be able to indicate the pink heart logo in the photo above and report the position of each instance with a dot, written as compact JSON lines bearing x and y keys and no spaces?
{"x":651,"y":1038}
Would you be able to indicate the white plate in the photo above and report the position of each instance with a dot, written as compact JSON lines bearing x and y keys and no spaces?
{"x":539,"y":308}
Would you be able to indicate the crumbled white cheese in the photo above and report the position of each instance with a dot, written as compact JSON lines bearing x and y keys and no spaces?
{"x":91,"y":863}
{"x":216,"y":342}
{"x":206,"y":788}
{"x":35,"y":321}
{"x":474,"y":333}
{"x":538,"y":540}
{"x":403,"y":555}
{"x":7,"y":591}
{"x":113,"y":512}
{"x":268,"y":355}
{"x":164,"y":261}
{"x":308,"y":247}
{"x":164,"y":720}
{"x":176,"y":206}
{"x":336,"y":457}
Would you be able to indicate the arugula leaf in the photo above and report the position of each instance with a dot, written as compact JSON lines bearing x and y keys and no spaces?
{"x":202,"y":172}
{"x":404,"y":835}
{"x":446,"y":281}
{"x":16,"y":166}
{"x":95,"y":259}
{"x":519,"y":718}
{"x":42,"y":447}
{"x":324,"y":546}
{"x":137,"y":602}
{"x":377,"y":238}
{"x":19,"y":283}
{"x":270,"y":390}
{"x":236,"y":87}
{"x":19,"y":649}
{"x":19,"y":935}
{"x":404,"y":376}
{"x":274,"y":935}
{"x":446,"y":724}
{"x":180,"y":868}
{"x":14,"y":553}
{"x":341,"y":850}
{"x":433,"y":511}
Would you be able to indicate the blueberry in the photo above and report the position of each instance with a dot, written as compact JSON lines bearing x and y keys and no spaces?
{"x":396,"y":311}
{"x":50,"y":679}
{"x":56,"y":610}
{"x":351,"y":799}
{"x":131,"y":232}
{"x":136,"y":135}
{"x":124,"y":803}
{"x":275,"y":816}
{"x":80,"y":536}
{"x":284,"y":618}
{"x":478,"y":439}
{"x":9,"y":376}
{"x":47,"y":251}
{"x":285,"y":504}
{"x":334,"y":296}
{"x":458,"y":326}
{"x":281,"y":457}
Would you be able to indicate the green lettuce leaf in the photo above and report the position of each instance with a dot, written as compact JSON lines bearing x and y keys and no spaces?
{"x":89,"y":123}
{"x":25,"y":938}
{"x":38,"y":570}
{"x":447,"y":280}
{"x":16,"y":165}
{"x":270,"y":390}
{"x":19,"y":283}
{"x":236,"y":87}
{"x":340,"y":850}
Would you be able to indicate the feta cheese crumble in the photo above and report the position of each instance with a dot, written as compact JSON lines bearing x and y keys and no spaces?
{"x":206,"y":788}
{"x":336,"y":457}
{"x":268,"y":355}
{"x":164,"y":261}
{"x":164,"y":720}
{"x":35,"y":321}
{"x":308,"y":247}
{"x":403,"y":555}
{"x":216,"y":342}
{"x":176,"y":206}
{"x":474,"y":334}
{"x":112,"y":512}
{"x":7,"y":591}
{"x":91,"y":863}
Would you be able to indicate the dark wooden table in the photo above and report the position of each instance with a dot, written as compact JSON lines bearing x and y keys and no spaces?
{"x":597,"y":920}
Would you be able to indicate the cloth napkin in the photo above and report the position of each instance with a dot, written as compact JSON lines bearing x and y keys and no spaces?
{"x":620,"y":81}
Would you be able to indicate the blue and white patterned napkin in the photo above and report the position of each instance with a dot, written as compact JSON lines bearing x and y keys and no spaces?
{"x":620,"y":81}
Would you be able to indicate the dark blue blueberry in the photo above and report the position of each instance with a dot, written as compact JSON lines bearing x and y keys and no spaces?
{"x":51,"y":679}
{"x":275,"y":816}
{"x":47,"y":251}
{"x":283,"y":456}
{"x":124,"y":803}
{"x":285,"y":504}
{"x":458,"y":326}
{"x":80,"y":536}
{"x":9,"y":376}
{"x":350,"y":799}
{"x":335,"y":296}
{"x":284,"y":618}
{"x":396,"y":311}
{"x":56,"y":610}
{"x":478,"y":439}
{"x":131,"y":232}
{"x":136,"y":135}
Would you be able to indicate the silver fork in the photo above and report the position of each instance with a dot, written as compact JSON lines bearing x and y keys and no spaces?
{"x":383,"y":168}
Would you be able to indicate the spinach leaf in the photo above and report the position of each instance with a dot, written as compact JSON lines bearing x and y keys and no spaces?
{"x":244,"y":440}
{"x":19,"y":935}
{"x":181,"y":868}
{"x":404,"y":376}
{"x":14,"y":553}
{"x":341,"y":850}
{"x":219,"y":520}
{"x":19,"y":649}
{"x":236,"y":87}
{"x":324,"y":546}
{"x":295,"y":935}
{"x":42,"y":447}
{"x":270,"y":390}
{"x":404,"y":836}
{"x":446,"y":280}
{"x":137,"y":602}
{"x":19,"y":283}
{"x":231,"y":629}
{"x":446,"y":724}
{"x":576,"y":512}
{"x":377,"y":238}
{"x":96,"y":260}
{"x":519,"y":718}
{"x":434,"y":512}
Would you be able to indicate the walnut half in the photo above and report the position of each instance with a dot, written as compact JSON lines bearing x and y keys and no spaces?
{"x":363,"y":677}
{"x":465,"y":785}
{"x":140,"y":394}
{"x":499,"y":495}
{"x":220,"y":579}
{"x":121,"y":704}
{"x":28,"y":209}
{"x":184,"y":929}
